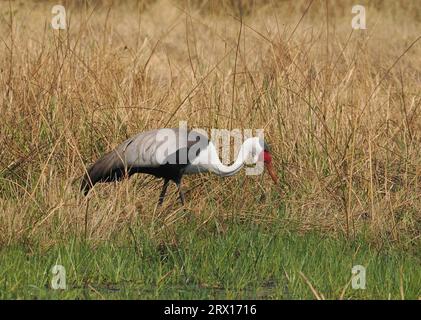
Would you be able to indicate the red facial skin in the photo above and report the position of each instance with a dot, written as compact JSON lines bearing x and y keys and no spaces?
{"x":267,"y":157}
{"x":268,"y":163}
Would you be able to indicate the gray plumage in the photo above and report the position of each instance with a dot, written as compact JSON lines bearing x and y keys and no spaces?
{"x":160,"y":152}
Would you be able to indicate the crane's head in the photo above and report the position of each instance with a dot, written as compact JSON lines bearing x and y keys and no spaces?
{"x":267,"y":158}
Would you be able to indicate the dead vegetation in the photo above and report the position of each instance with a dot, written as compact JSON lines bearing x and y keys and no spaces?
{"x":340,"y":108}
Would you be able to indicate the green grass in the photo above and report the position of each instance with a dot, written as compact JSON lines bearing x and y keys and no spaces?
{"x":243,"y":261}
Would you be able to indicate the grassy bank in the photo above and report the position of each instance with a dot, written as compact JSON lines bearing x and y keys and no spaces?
{"x":244,"y":261}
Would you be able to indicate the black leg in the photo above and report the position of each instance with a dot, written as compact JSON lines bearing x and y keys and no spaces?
{"x":164,"y":190}
{"x":180,"y":193}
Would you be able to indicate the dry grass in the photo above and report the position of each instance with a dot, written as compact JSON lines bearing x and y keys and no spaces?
{"x":340,"y":108}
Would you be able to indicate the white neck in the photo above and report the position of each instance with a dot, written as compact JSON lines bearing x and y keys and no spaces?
{"x":215,"y":165}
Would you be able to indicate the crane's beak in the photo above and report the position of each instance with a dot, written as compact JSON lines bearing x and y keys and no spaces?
{"x":271,"y":171}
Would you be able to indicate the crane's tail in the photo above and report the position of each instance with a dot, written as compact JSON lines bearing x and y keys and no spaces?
{"x":108,"y":168}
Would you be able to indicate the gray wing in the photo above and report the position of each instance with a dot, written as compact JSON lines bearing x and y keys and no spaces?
{"x":158,"y":147}
{"x":147,"y":149}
